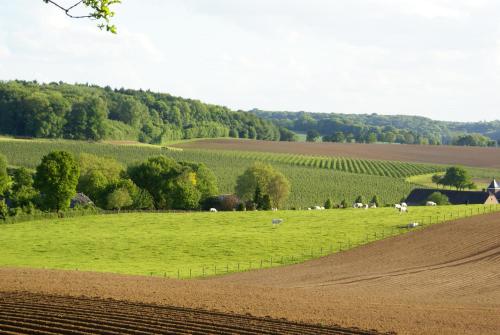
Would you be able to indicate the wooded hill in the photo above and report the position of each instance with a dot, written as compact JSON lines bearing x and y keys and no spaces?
{"x":387,"y":128}
{"x":88,"y":112}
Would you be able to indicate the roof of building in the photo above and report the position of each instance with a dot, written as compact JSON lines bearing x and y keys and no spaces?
{"x":419,"y":196}
{"x":80,"y":199}
{"x":494,"y":186}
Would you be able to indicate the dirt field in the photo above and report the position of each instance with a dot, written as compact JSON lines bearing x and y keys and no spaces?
{"x":468,"y":156}
{"x":29,"y":313}
{"x":441,"y":280}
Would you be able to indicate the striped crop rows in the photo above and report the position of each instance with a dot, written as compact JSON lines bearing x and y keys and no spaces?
{"x":392,"y":169}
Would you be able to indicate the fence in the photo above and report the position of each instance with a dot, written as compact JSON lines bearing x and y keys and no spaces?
{"x":323,"y":250}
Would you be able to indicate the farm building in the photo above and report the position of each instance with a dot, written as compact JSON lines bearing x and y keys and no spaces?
{"x":494,"y":188}
{"x":419,"y":196}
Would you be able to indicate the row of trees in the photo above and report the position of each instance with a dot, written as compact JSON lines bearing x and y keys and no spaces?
{"x":456,"y":177}
{"x":84,"y":112}
{"x":368,"y":128}
{"x":159,"y":182}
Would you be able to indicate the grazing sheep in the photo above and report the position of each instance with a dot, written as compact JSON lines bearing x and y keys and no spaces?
{"x":358,"y":205}
{"x":403,"y":210}
{"x":213,"y":210}
{"x":403,"y":204}
{"x":412,"y":225}
{"x":430,"y":203}
{"x":397,"y":206}
{"x":373,"y":206}
{"x":277,"y":221}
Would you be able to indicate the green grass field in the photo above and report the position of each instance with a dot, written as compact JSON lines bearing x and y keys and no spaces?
{"x":169,"y":244}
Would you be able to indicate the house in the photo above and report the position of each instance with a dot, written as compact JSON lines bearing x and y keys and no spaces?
{"x":419,"y":196}
{"x":494,"y":188}
{"x":80,"y":200}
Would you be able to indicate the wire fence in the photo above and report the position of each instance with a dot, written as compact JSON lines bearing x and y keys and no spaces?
{"x":321,"y":250}
{"x":315,"y":251}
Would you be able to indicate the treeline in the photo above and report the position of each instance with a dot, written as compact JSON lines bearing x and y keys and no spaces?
{"x":369,"y":128}
{"x":86,"y":182}
{"x":157,"y":183}
{"x":85,"y":112}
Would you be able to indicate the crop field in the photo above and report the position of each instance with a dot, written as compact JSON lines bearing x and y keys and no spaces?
{"x":438,"y":280}
{"x":447,"y":155}
{"x":36,"y":313}
{"x":313,"y":179}
{"x":189,"y":245}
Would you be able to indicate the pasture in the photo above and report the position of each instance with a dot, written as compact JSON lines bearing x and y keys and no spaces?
{"x":196,"y":244}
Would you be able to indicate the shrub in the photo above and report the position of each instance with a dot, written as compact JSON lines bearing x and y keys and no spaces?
{"x":439,"y":198}
{"x":328,"y":204}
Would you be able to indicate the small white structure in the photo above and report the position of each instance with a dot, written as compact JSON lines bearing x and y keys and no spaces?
{"x":430,"y":203}
{"x":412,"y":225}
{"x":213,"y":210}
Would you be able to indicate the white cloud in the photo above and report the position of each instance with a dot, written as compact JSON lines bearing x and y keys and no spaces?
{"x":438,"y":58}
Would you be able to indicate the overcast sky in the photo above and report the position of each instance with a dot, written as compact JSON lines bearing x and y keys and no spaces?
{"x":435,"y":58}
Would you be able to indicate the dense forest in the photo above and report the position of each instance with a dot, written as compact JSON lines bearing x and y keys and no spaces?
{"x":85,"y":112}
{"x":369,"y":128}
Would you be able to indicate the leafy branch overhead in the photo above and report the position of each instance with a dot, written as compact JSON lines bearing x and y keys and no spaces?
{"x":99,"y":10}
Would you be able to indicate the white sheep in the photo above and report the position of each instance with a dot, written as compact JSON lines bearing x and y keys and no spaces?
{"x":430,"y":203}
{"x":213,"y":210}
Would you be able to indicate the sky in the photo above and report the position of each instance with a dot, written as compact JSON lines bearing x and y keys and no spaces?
{"x":434,"y":58}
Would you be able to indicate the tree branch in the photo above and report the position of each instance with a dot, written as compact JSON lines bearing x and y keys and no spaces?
{"x":67,"y":10}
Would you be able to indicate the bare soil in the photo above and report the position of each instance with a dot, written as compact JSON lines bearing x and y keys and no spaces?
{"x":441,"y":280}
{"x":468,"y":156}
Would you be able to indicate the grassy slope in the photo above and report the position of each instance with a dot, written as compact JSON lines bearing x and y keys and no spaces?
{"x":310,"y":186}
{"x":164,"y":243}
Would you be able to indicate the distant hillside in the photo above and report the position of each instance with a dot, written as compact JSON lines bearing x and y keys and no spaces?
{"x":59,"y":110}
{"x":368,"y":128}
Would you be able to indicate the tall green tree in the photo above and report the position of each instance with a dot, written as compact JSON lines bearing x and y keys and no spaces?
{"x":56,"y":178}
{"x":86,"y":119}
{"x":118,"y":199}
{"x":23,"y":193}
{"x":312,"y":135}
{"x":4,"y":176}
{"x":458,"y":177}
{"x":267,"y":180}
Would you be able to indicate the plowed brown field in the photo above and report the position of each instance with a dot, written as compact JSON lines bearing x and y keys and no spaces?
{"x":468,"y":156}
{"x":441,"y":280}
{"x":28,"y":313}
